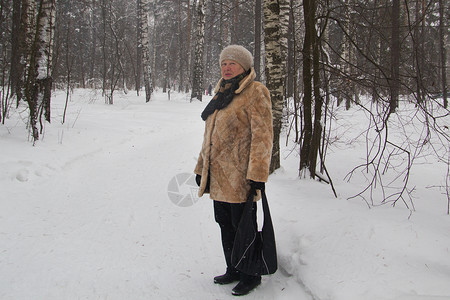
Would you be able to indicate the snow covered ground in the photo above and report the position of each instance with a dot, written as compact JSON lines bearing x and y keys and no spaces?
{"x":86,"y":214}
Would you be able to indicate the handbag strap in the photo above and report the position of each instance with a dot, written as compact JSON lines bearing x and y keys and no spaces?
{"x":265,"y":205}
{"x":266,"y":210}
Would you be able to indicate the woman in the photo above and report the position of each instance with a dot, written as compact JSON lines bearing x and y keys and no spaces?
{"x":236,"y":151}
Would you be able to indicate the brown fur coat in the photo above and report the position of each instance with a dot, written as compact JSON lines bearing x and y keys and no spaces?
{"x":237,"y":143}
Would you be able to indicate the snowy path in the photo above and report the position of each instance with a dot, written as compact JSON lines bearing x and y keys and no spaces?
{"x":93,"y":221}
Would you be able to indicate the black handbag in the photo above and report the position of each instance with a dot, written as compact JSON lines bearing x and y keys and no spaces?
{"x":254,"y":252}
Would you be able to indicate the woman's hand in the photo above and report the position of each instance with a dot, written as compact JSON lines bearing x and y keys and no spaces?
{"x":256,"y":185}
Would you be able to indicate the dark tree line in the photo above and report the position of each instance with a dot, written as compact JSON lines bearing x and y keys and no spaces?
{"x":97,"y":42}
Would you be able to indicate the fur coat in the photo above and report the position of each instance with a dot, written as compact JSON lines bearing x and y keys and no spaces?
{"x":237,"y":143}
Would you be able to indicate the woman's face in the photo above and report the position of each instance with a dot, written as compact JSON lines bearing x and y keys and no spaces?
{"x":230,"y":69}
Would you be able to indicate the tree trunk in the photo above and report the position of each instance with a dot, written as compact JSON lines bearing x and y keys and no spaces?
{"x":153,"y":20}
{"x":180,"y":50}
{"x":197,"y":83}
{"x":257,"y":54}
{"x":273,"y":71}
{"x":93,"y":47}
{"x":16,"y":34}
{"x":138,"y":47}
{"x":276,"y":46}
{"x":377,"y":58}
{"x":318,"y":101}
{"x":285,"y":12}
{"x":144,"y":41}
{"x":188,"y":46}
{"x":4,"y":59}
{"x":69,"y":61}
{"x":210,"y":57}
{"x":418,"y":50}
{"x":395,"y":56}
{"x":307,"y":84}
{"x":347,"y":57}
{"x":442,"y":52}
{"x":290,"y":68}
{"x":103,"y":46}
{"x":39,"y":80}
{"x":235,"y":30}
{"x":225,"y":31}
{"x":25,"y":37}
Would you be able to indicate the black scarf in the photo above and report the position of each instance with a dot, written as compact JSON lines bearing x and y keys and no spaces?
{"x":224,"y":96}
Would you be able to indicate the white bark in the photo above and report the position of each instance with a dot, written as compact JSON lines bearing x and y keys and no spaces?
{"x":145,"y":34}
{"x":275,"y":19}
{"x":39,"y":81}
{"x":197,"y":83}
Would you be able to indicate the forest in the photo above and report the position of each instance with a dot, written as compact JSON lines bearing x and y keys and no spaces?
{"x":379,"y":55}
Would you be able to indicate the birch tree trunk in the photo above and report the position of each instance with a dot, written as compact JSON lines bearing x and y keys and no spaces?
{"x":318,"y":101}
{"x":347,"y":56}
{"x":180,"y":50}
{"x":285,"y":11}
{"x":197,"y":82}
{"x":138,"y":48}
{"x":153,"y":19}
{"x":39,"y":80}
{"x":188,"y":46}
{"x":290,"y":63}
{"x":275,"y":40}
{"x":144,"y":41}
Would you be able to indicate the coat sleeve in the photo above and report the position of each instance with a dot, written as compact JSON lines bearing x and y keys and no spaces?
{"x":261,"y":135}
{"x":199,"y":166}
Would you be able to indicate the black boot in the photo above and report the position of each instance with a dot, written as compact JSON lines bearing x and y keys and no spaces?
{"x":246,"y":285}
{"x":230,"y":276}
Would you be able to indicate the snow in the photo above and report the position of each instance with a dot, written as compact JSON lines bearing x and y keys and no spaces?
{"x":86,"y":214}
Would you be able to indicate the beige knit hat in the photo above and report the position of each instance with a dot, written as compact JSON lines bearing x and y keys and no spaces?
{"x":238,"y":54}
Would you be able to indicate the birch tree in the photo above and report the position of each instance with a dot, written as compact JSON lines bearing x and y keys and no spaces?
{"x":93,"y":46}
{"x":138,"y":48}
{"x":181,"y":51}
{"x":347,"y":55}
{"x":39,"y":80}
{"x":188,"y":45}
{"x":275,"y":41}
{"x":197,"y":83}
{"x":144,"y":44}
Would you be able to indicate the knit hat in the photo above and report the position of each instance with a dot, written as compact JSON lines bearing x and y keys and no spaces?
{"x":238,"y":54}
